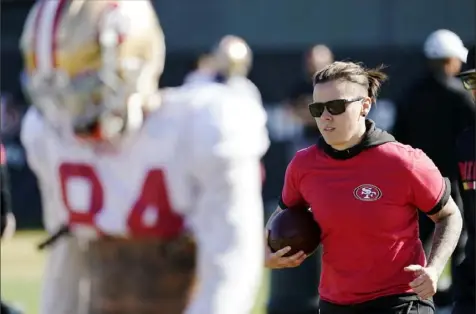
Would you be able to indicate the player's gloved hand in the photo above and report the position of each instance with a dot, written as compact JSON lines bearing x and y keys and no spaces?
{"x":277,"y":260}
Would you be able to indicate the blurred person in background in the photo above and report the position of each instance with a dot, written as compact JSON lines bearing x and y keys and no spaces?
{"x":8,"y":223}
{"x":130,"y":172}
{"x":22,"y":180}
{"x":300,"y":95}
{"x":293,"y":291}
{"x":204,"y":70}
{"x":12,"y":111}
{"x":229,"y":62}
{"x":433,"y":114}
{"x":7,"y":219}
{"x":10,"y":116}
{"x":464,"y":278}
{"x":233,"y":61}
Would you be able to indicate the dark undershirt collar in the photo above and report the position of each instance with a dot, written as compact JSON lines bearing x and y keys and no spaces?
{"x":373,"y":137}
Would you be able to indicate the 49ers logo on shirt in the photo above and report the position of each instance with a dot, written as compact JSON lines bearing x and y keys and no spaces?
{"x":367,"y":193}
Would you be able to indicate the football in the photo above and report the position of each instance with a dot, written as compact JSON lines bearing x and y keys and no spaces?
{"x":296,"y":228}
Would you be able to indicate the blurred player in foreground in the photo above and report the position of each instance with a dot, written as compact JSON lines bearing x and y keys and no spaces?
{"x":131,"y":172}
{"x":464,"y":283}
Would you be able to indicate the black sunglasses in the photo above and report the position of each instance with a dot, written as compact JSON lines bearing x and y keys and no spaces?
{"x":334,"y":107}
{"x":469,"y":80}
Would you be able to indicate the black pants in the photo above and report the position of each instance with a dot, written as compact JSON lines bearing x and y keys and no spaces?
{"x":399,"y":304}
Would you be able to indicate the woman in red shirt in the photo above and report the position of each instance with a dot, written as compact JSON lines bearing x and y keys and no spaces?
{"x":364,"y":189}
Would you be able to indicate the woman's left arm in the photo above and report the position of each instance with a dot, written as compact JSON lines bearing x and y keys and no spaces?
{"x":448,"y":225}
{"x":430,"y":193}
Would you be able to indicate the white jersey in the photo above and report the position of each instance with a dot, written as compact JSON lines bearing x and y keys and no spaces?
{"x":194,"y":163}
{"x":245,"y":86}
{"x":240,"y":84}
{"x":199,"y":76}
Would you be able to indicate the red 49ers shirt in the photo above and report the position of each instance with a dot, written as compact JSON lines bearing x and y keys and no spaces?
{"x":365,"y":200}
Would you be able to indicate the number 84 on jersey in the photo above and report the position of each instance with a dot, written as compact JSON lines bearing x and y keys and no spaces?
{"x":88,"y":202}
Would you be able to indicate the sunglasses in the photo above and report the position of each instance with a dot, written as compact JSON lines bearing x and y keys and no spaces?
{"x":334,"y":107}
{"x":469,"y":80}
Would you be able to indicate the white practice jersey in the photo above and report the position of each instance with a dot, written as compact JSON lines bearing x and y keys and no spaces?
{"x":194,"y":163}
{"x":246,"y":87}
{"x":240,"y":84}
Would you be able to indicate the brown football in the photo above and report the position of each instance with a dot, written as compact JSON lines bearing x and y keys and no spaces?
{"x":296,"y":228}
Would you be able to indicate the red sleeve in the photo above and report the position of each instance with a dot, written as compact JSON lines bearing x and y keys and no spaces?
{"x":429,"y":190}
{"x":291,"y":196}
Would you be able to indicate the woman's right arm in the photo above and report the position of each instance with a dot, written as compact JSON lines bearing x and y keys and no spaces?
{"x":290,"y":196}
{"x":277,"y":260}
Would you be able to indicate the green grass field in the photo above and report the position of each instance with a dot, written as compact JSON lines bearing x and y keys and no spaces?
{"x":22,"y":266}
